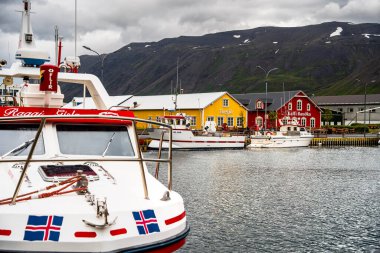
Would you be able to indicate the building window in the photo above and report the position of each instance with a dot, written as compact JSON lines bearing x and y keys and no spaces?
{"x":220,"y":121}
{"x":149,"y":118}
{"x":340,"y":109}
{"x":290,"y":106}
{"x":193,"y":120}
{"x":350,"y":109}
{"x":210,"y":118}
{"x":299,"y":105}
{"x":225,"y":102}
{"x":158,"y":118}
{"x":259,"y":105}
{"x":239,"y":121}
{"x":312,"y":122}
{"x":303,"y":122}
{"x":230,"y":121}
{"x":308,"y":107}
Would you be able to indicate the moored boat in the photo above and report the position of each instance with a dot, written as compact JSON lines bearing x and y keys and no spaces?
{"x":290,"y":135}
{"x":183,"y":137}
{"x":74,"y":180}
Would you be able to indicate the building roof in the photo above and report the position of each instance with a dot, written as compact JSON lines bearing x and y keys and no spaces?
{"x":184,"y":101}
{"x":157,"y":102}
{"x":346,"y":99}
{"x":89,"y":102}
{"x":275,"y":99}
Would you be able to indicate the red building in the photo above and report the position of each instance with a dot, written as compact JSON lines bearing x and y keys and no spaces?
{"x":280,"y":108}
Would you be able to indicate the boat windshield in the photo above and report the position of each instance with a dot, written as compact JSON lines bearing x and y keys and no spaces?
{"x":16,"y":139}
{"x":94,"y":140}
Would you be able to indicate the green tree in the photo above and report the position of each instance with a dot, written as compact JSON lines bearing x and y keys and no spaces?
{"x":327,"y":116}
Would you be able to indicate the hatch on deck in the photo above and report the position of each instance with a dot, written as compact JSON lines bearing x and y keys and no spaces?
{"x":53,"y":173}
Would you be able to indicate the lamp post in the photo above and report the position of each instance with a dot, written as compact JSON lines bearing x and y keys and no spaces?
{"x":266,"y":92}
{"x":102,"y":57}
{"x":365,"y":102}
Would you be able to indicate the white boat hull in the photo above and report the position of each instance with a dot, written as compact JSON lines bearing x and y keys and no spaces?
{"x":74,"y":234}
{"x":185,"y":139}
{"x":280,"y":142}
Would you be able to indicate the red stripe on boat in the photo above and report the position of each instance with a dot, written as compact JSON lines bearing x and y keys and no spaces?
{"x":176,"y":218}
{"x":171,"y":248}
{"x":203,"y":141}
{"x":119,"y":231}
{"x":85,"y":234}
{"x":5,"y":232}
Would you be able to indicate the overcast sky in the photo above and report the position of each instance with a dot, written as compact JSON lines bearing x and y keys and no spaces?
{"x":107,"y":25}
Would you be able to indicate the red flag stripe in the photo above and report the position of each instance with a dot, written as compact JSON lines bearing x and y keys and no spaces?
{"x":176,"y":218}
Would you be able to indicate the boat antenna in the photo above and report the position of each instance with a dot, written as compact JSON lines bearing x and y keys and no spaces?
{"x":56,"y":43}
{"x":9,"y":53}
{"x":283,"y":91}
{"x":75,"y":29}
{"x":176,"y":88}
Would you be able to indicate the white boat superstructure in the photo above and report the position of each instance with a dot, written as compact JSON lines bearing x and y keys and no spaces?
{"x":185,"y":138}
{"x":288,"y":136}
{"x":75,"y":180}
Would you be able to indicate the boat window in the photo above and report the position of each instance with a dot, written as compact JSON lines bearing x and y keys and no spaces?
{"x":94,"y":140}
{"x":19,"y":138}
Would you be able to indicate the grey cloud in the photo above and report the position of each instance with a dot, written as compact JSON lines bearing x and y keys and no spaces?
{"x":153,"y":20}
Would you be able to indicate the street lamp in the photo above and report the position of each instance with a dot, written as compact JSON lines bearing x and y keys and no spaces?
{"x":102,"y":57}
{"x":266,"y":92}
{"x":365,"y":102}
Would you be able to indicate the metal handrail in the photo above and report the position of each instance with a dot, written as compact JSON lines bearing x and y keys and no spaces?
{"x":139,"y":158}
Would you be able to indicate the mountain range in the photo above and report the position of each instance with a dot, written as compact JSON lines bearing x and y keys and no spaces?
{"x":332,"y":58}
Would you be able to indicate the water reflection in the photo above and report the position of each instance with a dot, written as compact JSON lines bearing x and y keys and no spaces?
{"x":268,"y":200}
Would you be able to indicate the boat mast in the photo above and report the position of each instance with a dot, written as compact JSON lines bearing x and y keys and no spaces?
{"x":176,"y":88}
{"x":75,"y":44}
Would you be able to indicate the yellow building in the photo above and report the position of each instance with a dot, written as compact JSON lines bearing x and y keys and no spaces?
{"x":219,"y":107}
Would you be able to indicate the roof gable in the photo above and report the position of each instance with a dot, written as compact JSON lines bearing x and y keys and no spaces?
{"x":274,"y":99}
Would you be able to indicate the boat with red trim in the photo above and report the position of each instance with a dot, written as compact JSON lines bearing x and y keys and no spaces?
{"x":75,"y":180}
{"x":289,"y":136}
{"x":183,"y":137}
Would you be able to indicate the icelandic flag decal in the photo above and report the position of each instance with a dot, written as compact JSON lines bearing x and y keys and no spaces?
{"x":43,"y":228}
{"x":146,"y":222}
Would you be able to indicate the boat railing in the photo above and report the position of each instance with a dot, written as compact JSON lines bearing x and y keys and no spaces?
{"x":140,"y":159}
{"x":7,"y":100}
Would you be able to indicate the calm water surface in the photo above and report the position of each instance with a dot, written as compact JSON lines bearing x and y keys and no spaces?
{"x":280,"y":200}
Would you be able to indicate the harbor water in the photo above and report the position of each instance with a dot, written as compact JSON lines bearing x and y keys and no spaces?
{"x":280,"y":200}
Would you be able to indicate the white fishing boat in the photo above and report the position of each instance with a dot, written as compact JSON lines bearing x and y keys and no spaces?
{"x":288,"y":136}
{"x":75,"y":180}
{"x":183,"y":137}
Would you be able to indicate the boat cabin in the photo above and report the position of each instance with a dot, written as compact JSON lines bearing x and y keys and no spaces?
{"x":178,"y":121}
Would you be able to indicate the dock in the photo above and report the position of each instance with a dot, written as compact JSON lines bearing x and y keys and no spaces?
{"x":346,"y":141}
